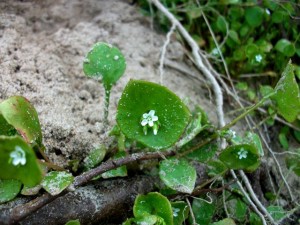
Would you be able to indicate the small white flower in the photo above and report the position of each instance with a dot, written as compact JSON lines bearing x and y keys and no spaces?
{"x":215,"y":52}
{"x":175,"y":212}
{"x":18,"y":156}
{"x":242,"y":153}
{"x":232,"y":133}
{"x":149,"y":118}
{"x":258,"y":58}
{"x":268,"y":12}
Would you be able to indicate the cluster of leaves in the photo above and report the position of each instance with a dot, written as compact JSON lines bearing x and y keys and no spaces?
{"x":253,"y":36}
{"x":256,"y":39}
{"x":145,"y":104}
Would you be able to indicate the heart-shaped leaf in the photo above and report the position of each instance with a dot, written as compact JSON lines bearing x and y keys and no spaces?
{"x":178,"y":174}
{"x":142,"y":97}
{"x":243,"y":156}
{"x":287,"y":95}
{"x":56,"y":181}
{"x":19,"y":113}
{"x":19,"y":162}
{"x":9,"y":189}
{"x":153,"y":204}
{"x":104,"y":62}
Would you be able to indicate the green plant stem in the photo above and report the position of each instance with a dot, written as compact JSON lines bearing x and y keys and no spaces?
{"x":106,"y":106}
{"x":248,"y":111}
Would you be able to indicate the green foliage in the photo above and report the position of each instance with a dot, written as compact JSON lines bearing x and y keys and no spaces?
{"x":104,"y":62}
{"x":22,"y":116}
{"x":243,"y":156}
{"x":250,"y":31}
{"x":19,"y":162}
{"x":215,"y":168}
{"x":153,"y":204}
{"x":73,"y":222}
{"x":139,"y":98}
{"x":178,"y":174}
{"x":203,"y":211}
{"x":180,"y":212}
{"x":287,"y":94}
{"x":204,"y":153}
{"x":277,"y":212}
{"x":55,"y":182}
{"x":9,"y":189}
{"x":293,"y":163}
{"x":226,"y":221}
{"x":95,"y":157}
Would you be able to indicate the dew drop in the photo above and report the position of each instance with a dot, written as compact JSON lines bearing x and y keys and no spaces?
{"x":116,"y":57}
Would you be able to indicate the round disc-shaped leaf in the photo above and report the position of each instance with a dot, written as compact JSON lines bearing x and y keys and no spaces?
{"x":178,"y":174}
{"x":138,"y":98}
{"x":9,"y":189}
{"x":19,"y":113}
{"x":242,"y":156}
{"x":104,"y":62}
{"x":18,"y":161}
{"x":153,"y":204}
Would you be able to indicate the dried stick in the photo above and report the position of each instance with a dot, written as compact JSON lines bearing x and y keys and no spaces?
{"x":163,"y":53}
{"x":248,"y":198}
{"x":254,"y":197}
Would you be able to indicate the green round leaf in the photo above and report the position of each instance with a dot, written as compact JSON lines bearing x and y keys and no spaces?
{"x":178,"y":174}
{"x":56,"y":181}
{"x":104,"y":62}
{"x":19,"y":113}
{"x":153,"y":204}
{"x":138,"y":98}
{"x":9,"y":189}
{"x":18,"y":161}
{"x":242,"y":156}
{"x":254,"y":16}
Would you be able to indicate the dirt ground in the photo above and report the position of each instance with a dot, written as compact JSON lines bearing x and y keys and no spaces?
{"x":42,"y":47}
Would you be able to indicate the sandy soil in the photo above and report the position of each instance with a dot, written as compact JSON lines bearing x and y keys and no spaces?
{"x":42,"y":47}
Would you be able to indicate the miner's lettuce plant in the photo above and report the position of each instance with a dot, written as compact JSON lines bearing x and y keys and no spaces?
{"x":150,"y":118}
